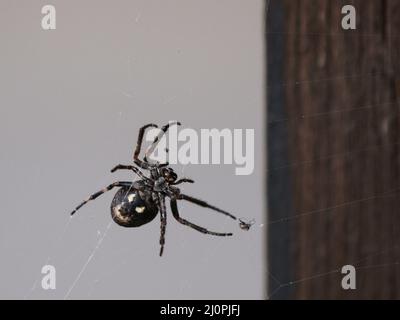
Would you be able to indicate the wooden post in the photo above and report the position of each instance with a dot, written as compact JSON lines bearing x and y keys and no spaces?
{"x":333,"y":148}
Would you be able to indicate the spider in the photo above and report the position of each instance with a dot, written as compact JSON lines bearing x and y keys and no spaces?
{"x":137,"y":203}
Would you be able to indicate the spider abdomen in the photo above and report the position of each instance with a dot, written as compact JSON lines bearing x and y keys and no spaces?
{"x":129,"y":209}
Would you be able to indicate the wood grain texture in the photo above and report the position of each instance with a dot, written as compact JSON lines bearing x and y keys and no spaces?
{"x":336,"y":100}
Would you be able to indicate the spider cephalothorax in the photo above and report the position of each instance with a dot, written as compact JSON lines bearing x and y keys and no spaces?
{"x":138,"y":202}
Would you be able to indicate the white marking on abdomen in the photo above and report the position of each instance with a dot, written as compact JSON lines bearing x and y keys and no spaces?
{"x":140,"y":209}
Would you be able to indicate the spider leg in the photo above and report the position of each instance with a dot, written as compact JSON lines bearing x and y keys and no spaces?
{"x":157,"y":139}
{"x":182,"y":181}
{"x":163,"y":220}
{"x":99,"y":193}
{"x":136,"y":159}
{"x":129,"y":167}
{"x":175,"y":213}
{"x":204,"y":204}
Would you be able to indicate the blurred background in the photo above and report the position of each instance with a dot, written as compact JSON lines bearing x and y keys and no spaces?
{"x":333,"y":149}
{"x":72,"y":101}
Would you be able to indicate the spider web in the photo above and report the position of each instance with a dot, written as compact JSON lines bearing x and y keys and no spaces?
{"x":142,"y":75}
{"x":277,"y":283}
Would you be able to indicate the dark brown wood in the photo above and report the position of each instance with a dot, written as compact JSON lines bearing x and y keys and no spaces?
{"x":334,"y":145}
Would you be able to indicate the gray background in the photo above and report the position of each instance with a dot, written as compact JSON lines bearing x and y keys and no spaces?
{"x":72,"y":101}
